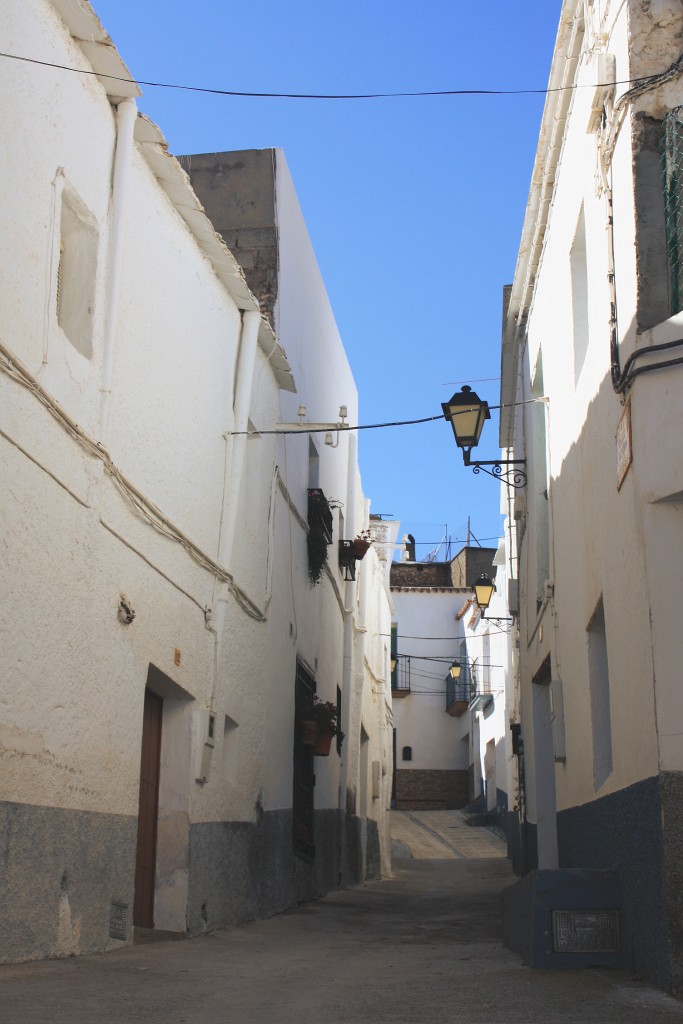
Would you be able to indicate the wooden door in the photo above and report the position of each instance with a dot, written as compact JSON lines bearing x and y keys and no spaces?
{"x":146,"y":858}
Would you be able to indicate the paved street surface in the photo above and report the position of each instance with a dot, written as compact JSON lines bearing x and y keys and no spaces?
{"x":422,"y":947}
{"x":443,"y":835}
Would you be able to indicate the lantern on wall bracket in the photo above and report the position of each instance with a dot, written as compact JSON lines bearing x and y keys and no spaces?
{"x":467,"y":413}
{"x":484,"y":589}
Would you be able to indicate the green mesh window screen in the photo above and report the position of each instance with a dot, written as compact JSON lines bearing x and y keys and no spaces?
{"x":672,"y":172}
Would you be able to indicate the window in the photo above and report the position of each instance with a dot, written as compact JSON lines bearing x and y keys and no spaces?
{"x":407,"y":754}
{"x":304,"y":780}
{"x":313,"y":464}
{"x":539,"y":481}
{"x":672,"y":173}
{"x":75,"y":291}
{"x":340,"y":736}
{"x":598,"y":675}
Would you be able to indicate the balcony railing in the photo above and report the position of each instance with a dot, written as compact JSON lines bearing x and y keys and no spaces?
{"x":458,"y":693}
{"x":400,"y":678}
{"x":481,"y":697}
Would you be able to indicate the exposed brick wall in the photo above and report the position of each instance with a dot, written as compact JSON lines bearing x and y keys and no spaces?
{"x":421,"y":574}
{"x":420,"y":789}
{"x":458,"y":574}
{"x":470,"y":563}
{"x":237,"y":190}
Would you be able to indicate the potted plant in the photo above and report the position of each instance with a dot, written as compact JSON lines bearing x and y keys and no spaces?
{"x":361,"y":544}
{"x":319,"y":725}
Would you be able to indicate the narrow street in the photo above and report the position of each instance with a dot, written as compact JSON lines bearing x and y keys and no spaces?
{"x":422,"y":946}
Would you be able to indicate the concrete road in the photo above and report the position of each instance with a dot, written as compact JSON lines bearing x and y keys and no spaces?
{"x":422,"y":947}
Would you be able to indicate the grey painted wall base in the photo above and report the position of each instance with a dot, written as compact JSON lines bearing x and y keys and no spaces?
{"x":61,"y":870}
{"x":241,"y":871}
{"x":527,"y":910}
{"x":638,"y":832}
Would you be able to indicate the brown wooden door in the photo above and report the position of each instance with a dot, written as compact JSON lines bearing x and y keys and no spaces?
{"x":145,"y":864}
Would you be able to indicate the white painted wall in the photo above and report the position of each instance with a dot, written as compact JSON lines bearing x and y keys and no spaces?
{"x":149,"y":518}
{"x":420,"y":719}
{"x":488,"y":643}
{"x":621,"y":544}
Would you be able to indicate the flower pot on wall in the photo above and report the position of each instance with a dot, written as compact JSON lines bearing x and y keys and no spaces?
{"x":309,"y":732}
{"x":360,"y":548}
{"x":323,"y":742}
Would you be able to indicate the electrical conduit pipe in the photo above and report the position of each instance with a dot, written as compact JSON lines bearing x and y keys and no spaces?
{"x":251,"y":321}
{"x":126,"y":115}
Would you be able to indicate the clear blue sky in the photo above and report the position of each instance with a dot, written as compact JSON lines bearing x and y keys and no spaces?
{"x":414,"y":205}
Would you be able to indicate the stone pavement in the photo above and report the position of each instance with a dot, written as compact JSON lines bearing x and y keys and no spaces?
{"x":439,"y":835}
{"x":421,"y":947}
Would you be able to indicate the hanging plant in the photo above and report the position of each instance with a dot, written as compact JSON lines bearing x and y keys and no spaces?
{"x":319,"y":534}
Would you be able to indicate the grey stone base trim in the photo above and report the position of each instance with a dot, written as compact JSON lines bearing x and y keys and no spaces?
{"x":528,"y":907}
{"x":60,"y":870}
{"x":671,"y":793}
{"x":242,"y":871}
{"x":638,"y":832}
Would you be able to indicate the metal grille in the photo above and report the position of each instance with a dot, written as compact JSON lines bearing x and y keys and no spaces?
{"x":672,"y":173}
{"x":304,"y":779}
{"x":118,"y":920}
{"x":588,"y":931}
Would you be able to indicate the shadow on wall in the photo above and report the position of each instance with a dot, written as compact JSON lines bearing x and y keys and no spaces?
{"x":606,"y":556}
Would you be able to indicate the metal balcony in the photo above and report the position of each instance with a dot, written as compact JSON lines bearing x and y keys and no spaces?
{"x":458,"y":694}
{"x":400,"y":677}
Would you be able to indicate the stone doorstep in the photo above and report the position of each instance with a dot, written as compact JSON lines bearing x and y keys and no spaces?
{"x":141,"y":936}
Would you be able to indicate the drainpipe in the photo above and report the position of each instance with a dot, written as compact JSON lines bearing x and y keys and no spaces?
{"x":251,"y":321}
{"x":351,"y":728}
{"x":126,"y":114}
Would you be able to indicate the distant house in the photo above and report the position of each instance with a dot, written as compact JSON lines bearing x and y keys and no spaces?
{"x":447,"y":755}
{"x":592,"y":397}
{"x":172,"y":590}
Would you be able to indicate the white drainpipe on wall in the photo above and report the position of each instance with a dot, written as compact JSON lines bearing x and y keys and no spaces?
{"x":126,"y":114}
{"x":349,"y":605}
{"x":251,"y":321}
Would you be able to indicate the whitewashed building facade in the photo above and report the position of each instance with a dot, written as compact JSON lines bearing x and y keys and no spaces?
{"x":593,"y":346}
{"x":157,"y":615}
{"x":451,"y":745}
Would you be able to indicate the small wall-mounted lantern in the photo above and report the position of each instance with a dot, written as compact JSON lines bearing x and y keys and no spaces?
{"x":467,"y":413}
{"x":484,"y":589}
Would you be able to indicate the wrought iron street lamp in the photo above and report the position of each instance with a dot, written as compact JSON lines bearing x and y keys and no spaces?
{"x":467,"y":413}
{"x":484,"y":589}
{"x":455,"y":669}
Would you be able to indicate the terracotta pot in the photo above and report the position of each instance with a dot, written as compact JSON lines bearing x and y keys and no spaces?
{"x":309,"y":732}
{"x":360,"y":548}
{"x":323,"y":743}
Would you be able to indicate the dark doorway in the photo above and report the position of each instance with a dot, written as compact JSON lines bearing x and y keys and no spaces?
{"x":304,"y":779}
{"x":146,"y":858}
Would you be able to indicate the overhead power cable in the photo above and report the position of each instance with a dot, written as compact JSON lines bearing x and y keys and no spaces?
{"x":372,"y":426}
{"x":327,"y":96}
